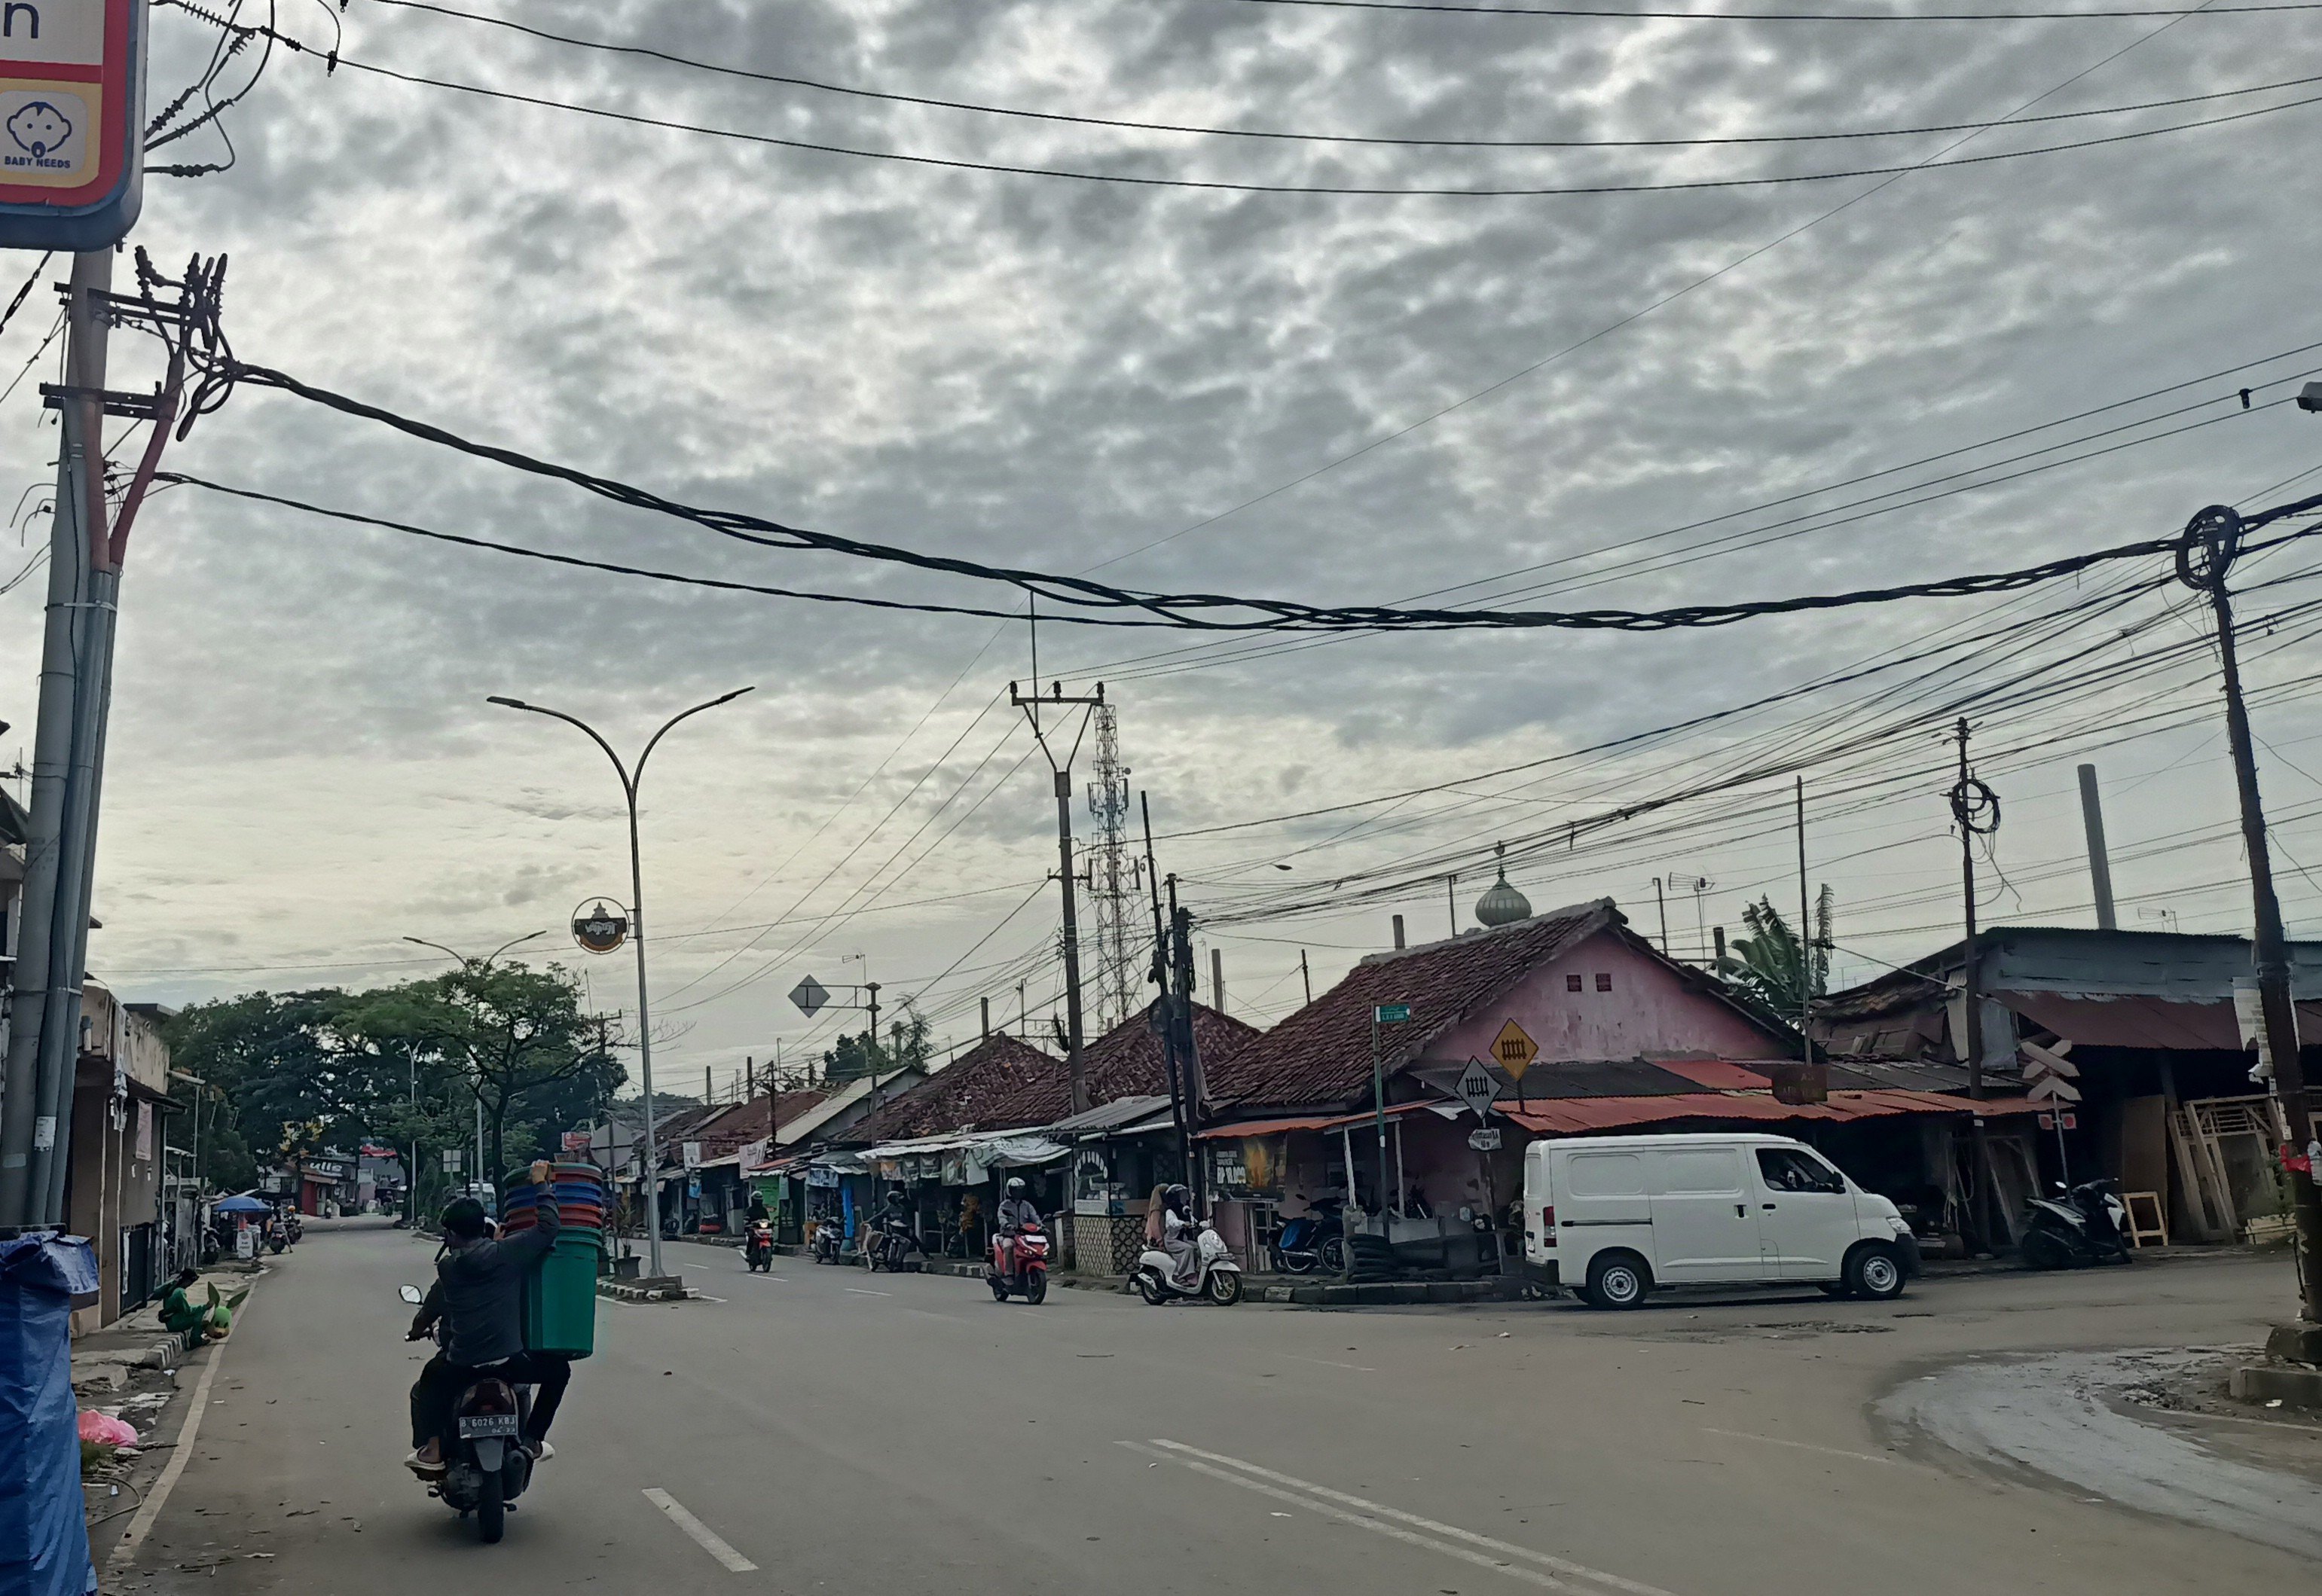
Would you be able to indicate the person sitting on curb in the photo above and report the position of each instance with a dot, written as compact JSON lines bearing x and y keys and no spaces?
{"x":179,"y":1315}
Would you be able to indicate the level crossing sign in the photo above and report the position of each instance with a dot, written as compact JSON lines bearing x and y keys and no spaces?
{"x":1476,"y":1088}
{"x":72,"y":100}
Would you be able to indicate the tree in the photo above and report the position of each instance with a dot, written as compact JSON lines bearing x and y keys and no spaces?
{"x":285,"y":1082}
{"x":1769,"y":966}
{"x":855,"y":1056}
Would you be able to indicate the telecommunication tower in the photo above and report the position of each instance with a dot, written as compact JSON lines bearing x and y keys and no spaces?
{"x":1115,"y":878}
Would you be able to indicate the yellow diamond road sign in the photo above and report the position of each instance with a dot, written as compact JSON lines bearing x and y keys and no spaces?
{"x":1513,"y":1051}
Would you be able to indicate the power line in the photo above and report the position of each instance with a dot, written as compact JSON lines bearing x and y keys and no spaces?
{"x":1343,"y":190}
{"x":1792,"y":16}
{"x":787,"y":80}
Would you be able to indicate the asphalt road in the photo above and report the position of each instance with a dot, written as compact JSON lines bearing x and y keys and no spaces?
{"x":906,"y":1435}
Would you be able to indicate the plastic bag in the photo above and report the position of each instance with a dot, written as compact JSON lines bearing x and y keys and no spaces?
{"x":107,"y":1430}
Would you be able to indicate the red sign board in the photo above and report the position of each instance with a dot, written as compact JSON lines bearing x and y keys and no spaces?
{"x":72,"y":90}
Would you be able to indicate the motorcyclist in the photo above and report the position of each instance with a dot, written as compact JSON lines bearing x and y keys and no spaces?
{"x":897,"y":1222}
{"x":1176,"y":1231}
{"x":478,"y":1294}
{"x":1017,"y":1210}
{"x":758,"y":1209}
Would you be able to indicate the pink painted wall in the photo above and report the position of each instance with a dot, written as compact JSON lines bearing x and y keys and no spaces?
{"x":1648,"y":1011}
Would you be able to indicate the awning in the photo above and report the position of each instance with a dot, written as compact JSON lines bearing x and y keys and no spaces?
{"x":1318,"y":1122}
{"x":2177,"y":1025}
{"x":1580,"y":1115}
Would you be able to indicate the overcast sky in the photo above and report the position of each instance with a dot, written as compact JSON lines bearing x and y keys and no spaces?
{"x":1145,"y":381}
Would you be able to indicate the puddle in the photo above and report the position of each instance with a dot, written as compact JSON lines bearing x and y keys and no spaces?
{"x":2052,"y":1415}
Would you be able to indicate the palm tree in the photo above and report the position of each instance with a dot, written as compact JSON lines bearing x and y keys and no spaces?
{"x":1769,"y":965}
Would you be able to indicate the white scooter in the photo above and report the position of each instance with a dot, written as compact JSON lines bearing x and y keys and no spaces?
{"x":1217,"y":1278}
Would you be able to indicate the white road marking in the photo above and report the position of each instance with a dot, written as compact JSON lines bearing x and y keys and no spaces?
{"x":859,"y":1291}
{"x":1330,"y":1363}
{"x":1807,"y":1446}
{"x":1378,"y":1526}
{"x":703,"y":1535}
{"x":1561,"y":1564}
{"x":180,"y":1455}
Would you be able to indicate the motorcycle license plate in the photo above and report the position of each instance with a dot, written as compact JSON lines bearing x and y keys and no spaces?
{"x":478,"y":1425}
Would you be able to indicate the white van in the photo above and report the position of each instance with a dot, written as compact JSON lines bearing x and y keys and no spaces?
{"x":1614,"y":1216}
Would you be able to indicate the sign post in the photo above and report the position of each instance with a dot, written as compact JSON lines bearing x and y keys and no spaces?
{"x":1515,"y":1050}
{"x":72,"y":113}
{"x":1383,"y":1014}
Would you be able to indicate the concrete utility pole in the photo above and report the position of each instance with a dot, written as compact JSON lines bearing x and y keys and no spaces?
{"x":2212,"y":540}
{"x":1164,"y":1011}
{"x":629,"y":780}
{"x":35,"y":1117}
{"x":2099,"y":862}
{"x":1975,"y":809}
{"x":1063,"y":770}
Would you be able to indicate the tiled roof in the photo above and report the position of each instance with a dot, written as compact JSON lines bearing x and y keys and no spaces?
{"x":997,"y":1084}
{"x":1127,"y":1062}
{"x":749,"y":1122}
{"x":1322,"y":1054}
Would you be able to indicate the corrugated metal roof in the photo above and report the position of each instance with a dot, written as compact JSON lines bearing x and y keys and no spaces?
{"x":1580,"y":1115}
{"x":2130,"y":1022}
{"x":1322,"y":1122}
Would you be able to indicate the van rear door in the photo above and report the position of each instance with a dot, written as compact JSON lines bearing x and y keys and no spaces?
{"x":1704,"y":1220}
{"x":1600,"y":1202}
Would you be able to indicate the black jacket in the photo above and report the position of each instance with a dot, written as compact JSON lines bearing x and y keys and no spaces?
{"x":479,"y":1291}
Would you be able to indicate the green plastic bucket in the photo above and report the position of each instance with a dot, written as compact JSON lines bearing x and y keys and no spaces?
{"x":560,"y":1300}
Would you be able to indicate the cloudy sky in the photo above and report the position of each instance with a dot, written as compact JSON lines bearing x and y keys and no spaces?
{"x":1627,"y":400}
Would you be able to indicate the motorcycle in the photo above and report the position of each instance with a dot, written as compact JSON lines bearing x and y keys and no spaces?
{"x":486,"y":1467}
{"x":1029,"y":1277}
{"x":826,"y":1241}
{"x":277,"y":1238}
{"x":888,"y":1245}
{"x":2089,"y":1224}
{"x":758,"y":1247}
{"x":1217,"y":1278}
{"x":1315,"y":1239}
{"x":295,"y":1227}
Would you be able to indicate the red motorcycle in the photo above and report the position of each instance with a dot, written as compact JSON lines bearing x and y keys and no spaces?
{"x":1029,"y":1277}
{"x":758,"y":1247}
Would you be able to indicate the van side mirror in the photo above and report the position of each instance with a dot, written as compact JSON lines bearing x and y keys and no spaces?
{"x":411,"y":1294}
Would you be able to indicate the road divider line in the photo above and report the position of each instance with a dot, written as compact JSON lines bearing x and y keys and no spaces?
{"x":859,"y":1291}
{"x":1531,"y":1576}
{"x":707,"y":1539}
{"x":1563,"y":1566}
{"x":181,"y":1453}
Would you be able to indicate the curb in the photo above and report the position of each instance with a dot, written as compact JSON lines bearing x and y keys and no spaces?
{"x":667,"y":1288}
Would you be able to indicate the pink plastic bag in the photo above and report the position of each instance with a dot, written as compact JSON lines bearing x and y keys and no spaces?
{"x":106,"y":1430}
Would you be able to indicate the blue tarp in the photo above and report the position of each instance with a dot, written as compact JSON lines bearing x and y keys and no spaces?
{"x":44,"y":1534}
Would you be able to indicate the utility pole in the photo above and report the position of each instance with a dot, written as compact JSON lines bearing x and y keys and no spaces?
{"x":1063,"y":770}
{"x":1975,"y":809}
{"x":2099,"y":861}
{"x":1180,"y":1015}
{"x":2212,"y":540}
{"x":86,"y":556}
{"x":1164,"y":1009}
{"x":1305,"y":978}
{"x":1806,"y":940}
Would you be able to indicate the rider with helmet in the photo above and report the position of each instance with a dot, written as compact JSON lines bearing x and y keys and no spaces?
{"x":1017,"y":1210}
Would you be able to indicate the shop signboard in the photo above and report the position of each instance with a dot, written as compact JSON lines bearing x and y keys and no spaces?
{"x":72,"y":99}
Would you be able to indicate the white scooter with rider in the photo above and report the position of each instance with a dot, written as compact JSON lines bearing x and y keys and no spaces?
{"x":1183,"y":1256}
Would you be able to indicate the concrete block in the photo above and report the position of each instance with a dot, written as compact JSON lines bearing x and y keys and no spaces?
{"x":1307,"y":1296}
{"x":1408,"y":1292}
{"x":2299,"y":1343}
{"x":2292,"y":1388}
{"x":1447,"y":1290}
{"x":1340,"y":1296}
{"x":1374,"y":1295}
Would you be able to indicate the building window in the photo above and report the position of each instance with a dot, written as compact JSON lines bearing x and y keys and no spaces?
{"x":1571,"y":983}
{"x":1604,"y":981}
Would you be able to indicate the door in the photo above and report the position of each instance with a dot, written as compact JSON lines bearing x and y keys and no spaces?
{"x":1601,"y":1202}
{"x":1805,"y":1213}
{"x":1705,"y":1228}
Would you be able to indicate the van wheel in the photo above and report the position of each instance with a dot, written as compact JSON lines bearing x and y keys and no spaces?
{"x":1617,"y":1280}
{"x":1874,"y":1274}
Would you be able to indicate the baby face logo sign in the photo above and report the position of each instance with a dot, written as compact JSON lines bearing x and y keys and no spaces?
{"x":71,"y":88}
{"x":41,"y":131}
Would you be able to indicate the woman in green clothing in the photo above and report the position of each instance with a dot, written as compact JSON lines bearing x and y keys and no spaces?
{"x":179,"y":1315}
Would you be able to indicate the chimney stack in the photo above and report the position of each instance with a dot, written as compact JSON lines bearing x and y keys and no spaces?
{"x":2099,"y":862}
{"x":1398,"y":931}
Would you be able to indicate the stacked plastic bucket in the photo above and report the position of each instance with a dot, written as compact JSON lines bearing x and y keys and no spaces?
{"x":560,"y":1300}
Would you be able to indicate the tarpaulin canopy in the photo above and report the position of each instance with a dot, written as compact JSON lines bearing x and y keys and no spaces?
{"x":43,"y":1536}
{"x":1322,"y":1122}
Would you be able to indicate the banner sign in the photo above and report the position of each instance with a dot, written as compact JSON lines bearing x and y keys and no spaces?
{"x":72,"y":103}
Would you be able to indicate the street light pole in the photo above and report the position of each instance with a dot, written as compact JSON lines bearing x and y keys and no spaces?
{"x":629,"y":780}
{"x":463,"y":961}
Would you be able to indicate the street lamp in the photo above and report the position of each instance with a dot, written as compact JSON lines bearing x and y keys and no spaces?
{"x":629,"y":780}
{"x":483,"y":963}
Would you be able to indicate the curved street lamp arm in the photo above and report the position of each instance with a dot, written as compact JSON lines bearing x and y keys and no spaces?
{"x":627,"y":785}
{"x":697,"y":708}
{"x":458,"y":957}
{"x":504,"y":947}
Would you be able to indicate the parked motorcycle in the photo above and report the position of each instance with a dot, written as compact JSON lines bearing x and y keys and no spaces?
{"x":825,"y":1242}
{"x":1217,"y":1278}
{"x":1315,"y":1239}
{"x":2086,"y":1225}
{"x":1029,"y":1277}
{"x":485,"y":1464}
{"x":758,"y":1247}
